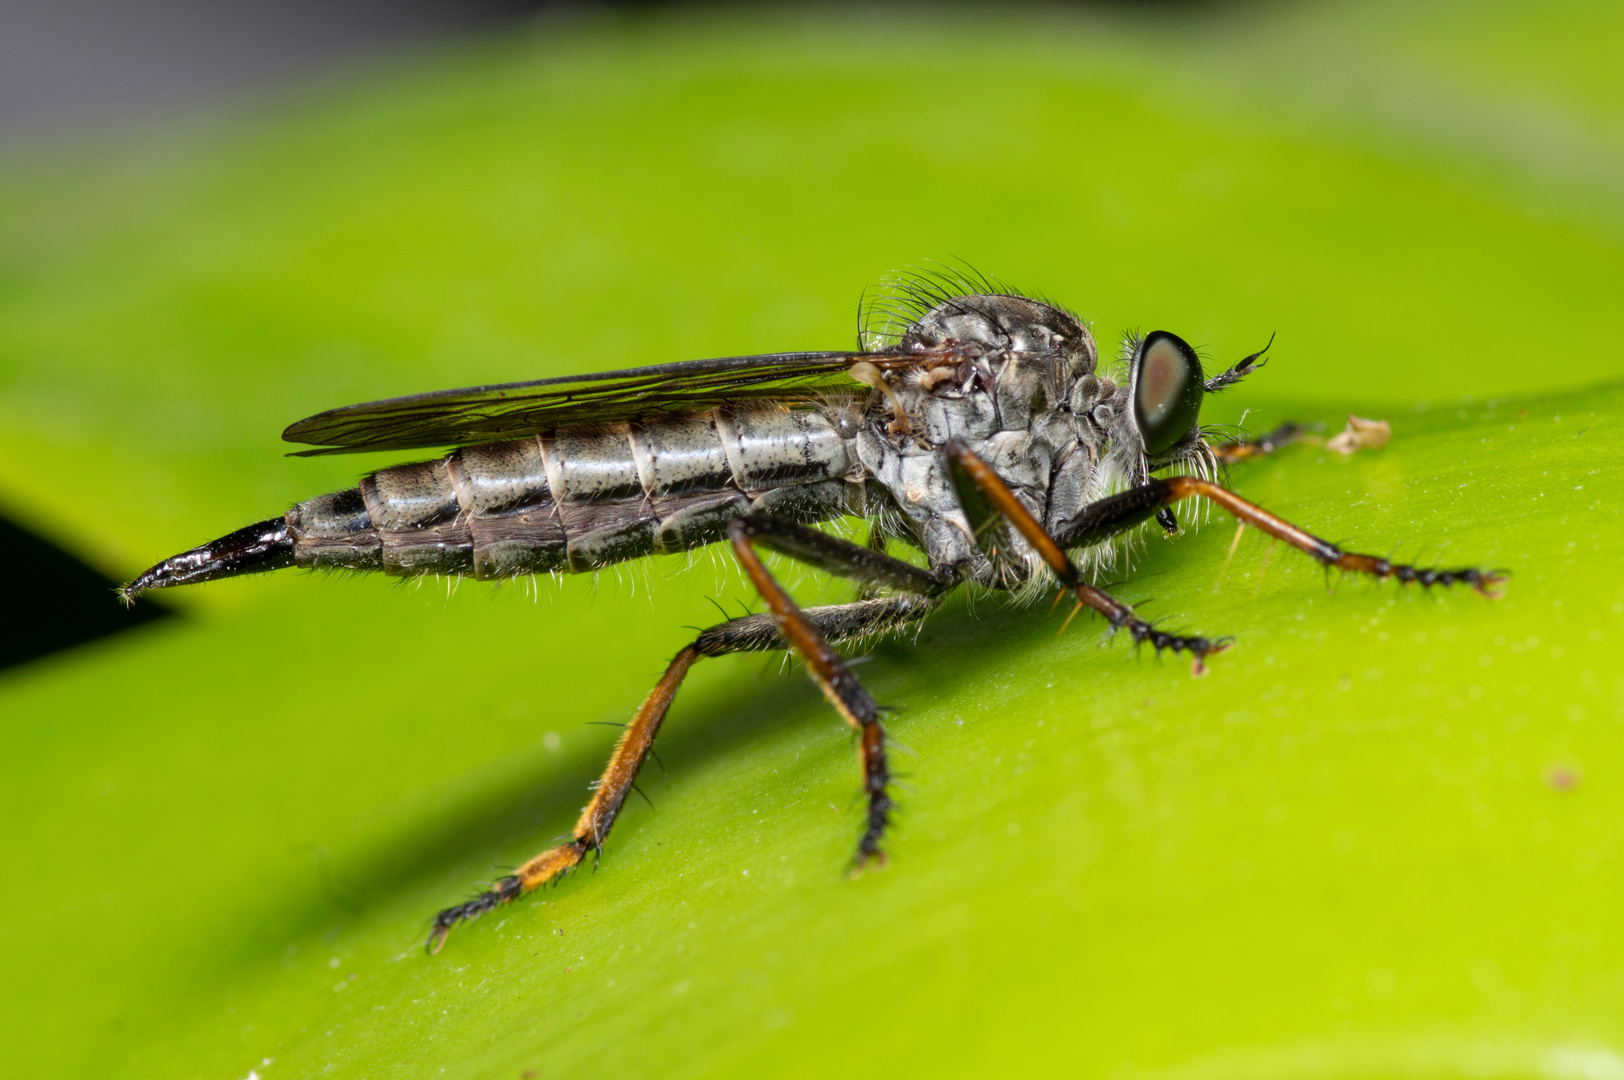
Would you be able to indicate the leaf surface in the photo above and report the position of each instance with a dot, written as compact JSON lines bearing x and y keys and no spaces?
{"x":1381,"y":838}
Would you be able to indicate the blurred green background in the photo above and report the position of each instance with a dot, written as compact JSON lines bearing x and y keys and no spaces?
{"x":1380,"y":839}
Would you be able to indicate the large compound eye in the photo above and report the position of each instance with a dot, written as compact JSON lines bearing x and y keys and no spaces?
{"x":1165,"y":384}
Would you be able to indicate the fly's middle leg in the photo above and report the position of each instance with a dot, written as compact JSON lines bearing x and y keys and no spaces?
{"x":808,"y":632}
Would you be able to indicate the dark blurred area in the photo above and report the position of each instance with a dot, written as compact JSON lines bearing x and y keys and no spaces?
{"x":72,"y":64}
{"x":66,"y":65}
{"x":58,"y":602}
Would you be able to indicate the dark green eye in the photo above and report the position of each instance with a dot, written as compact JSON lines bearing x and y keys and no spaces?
{"x":1165,"y":383}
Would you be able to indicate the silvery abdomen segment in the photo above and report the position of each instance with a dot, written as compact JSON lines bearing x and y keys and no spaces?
{"x":579,"y":499}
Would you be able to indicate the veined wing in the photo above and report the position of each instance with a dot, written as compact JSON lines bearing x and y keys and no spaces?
{"x":513,"y":410}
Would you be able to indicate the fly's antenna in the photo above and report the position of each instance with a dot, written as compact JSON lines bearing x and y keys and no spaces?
{"x":1225,"y":379}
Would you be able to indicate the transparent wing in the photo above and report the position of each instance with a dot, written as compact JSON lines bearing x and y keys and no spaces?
{"x":513,"y":410}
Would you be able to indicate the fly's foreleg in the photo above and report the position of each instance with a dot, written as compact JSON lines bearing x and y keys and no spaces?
{"x":988,"y":503}
{"x":1100,"y":520}
{"x":1251,"y":449}
{"x":811,"y":629}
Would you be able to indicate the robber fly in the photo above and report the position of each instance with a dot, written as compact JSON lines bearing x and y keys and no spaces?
{"x":972,"y":424}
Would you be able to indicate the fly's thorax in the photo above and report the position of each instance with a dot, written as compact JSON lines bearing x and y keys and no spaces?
{"x":1013,"y":361}
{"x":1026,"y":388}
{"x":914,"y":473}
{"x":1000,"y":324}
{"x":936,"y":418}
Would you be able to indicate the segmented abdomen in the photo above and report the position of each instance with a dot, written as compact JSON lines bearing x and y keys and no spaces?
{"x":579,"y":499}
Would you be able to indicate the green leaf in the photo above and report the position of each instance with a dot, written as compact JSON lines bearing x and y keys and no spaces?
{"x":1380,"y":838}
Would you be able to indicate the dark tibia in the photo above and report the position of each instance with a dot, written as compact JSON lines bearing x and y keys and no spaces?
{"x":843,"y":690}
{"x":1100,"y":520}
{"x":265,"y":546}
{"x":988,"y":494}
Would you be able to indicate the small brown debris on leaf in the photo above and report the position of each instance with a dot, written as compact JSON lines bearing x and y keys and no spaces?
{"x":1361,"y":434}
{"x":1562,"y":778}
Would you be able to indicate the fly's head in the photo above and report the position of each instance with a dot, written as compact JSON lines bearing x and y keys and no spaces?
{"x":1153,"y":421}
{"x":1165,"y":388}
{"x":1008,"y":362}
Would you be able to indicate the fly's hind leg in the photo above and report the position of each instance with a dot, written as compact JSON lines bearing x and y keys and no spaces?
{"x":842,"y":689}
{"x":596,"y":817}
{"x":807,"y":631}
{"x":753,"y":633}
